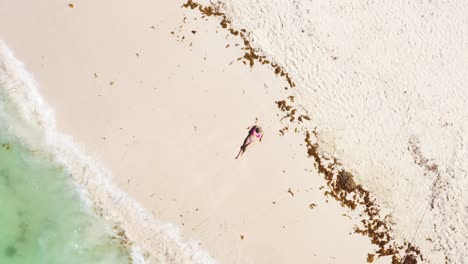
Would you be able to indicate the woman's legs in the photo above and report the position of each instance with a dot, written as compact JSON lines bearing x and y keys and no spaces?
{"x":243,"y":148}
{"x":240,"y":152}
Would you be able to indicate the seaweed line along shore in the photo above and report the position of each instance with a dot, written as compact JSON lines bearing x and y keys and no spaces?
{"x":341,"y":185}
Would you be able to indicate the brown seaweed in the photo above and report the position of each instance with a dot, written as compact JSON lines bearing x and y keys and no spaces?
{"x":340,"y":182}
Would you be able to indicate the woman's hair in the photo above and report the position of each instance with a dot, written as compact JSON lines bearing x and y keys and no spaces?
{"x":258,"y":129}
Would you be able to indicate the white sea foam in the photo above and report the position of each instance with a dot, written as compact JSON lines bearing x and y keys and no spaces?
{"x":28,"y":117}
{"x":380,"y":79}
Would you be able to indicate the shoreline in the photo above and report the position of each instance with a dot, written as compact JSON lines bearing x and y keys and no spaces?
{"x":92,"y":181}
{"x":220,"y":218}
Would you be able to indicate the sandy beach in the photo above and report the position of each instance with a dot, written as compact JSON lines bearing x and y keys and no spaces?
{"x":156,"y":93}
{"x":169,"y":121}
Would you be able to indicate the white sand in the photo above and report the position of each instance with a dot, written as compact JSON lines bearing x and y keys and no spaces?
{"x":171,"y":122}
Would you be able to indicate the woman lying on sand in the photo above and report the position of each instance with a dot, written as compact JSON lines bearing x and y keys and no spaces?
{"x":254,"y":134}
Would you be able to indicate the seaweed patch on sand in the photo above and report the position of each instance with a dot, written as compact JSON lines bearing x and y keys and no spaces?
{"x":340,"y":182}
{"x":350,"y":195}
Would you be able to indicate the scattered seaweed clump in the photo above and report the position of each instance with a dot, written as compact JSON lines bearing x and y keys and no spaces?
{"x":346,"y":182}
{"x":290,"y":115}
{"x":10,"y":251}
{"x":411,"y":259}
{"x":283,"y":106}
{"x":121,"y":237}
{"x":290,"y":111}
{"x":6,"y":146}
{"x":301,"y":118}
{"x":283,"y":130}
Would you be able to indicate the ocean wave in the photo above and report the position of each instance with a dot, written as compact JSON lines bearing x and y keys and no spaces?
{"x":28,"y":117}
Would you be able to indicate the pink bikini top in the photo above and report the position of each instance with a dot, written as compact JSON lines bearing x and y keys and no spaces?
{"x":258,"y":135}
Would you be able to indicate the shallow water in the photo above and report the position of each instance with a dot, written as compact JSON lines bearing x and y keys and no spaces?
{"x":43,"y":219}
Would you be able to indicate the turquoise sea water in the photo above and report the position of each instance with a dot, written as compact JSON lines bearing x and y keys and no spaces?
{"x":42,"y":217}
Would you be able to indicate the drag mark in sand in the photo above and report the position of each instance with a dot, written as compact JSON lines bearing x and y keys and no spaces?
{"x":438,"y":186}
{"x":341,"y":185}
{"x":429,"y":168}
